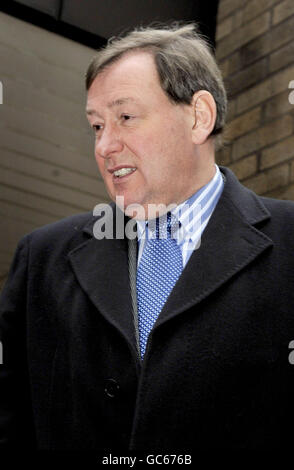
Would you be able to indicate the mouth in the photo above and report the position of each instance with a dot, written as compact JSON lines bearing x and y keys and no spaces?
{"x":122,"y":172}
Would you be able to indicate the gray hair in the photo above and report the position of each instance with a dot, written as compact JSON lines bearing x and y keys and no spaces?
{"x":184,"y":62}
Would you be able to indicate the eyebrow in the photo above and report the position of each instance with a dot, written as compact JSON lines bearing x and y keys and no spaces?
{"x":112,"y":104}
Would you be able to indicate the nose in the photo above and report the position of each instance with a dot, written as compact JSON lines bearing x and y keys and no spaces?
{"x":108,"y":142}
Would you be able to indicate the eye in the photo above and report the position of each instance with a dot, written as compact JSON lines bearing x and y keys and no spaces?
{"x":97,"y":128}
{"x":126,"y":117}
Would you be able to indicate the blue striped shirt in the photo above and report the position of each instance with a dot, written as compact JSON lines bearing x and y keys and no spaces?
{"x":193,"y":215}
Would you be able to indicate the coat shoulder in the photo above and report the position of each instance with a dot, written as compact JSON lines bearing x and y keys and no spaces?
{"x":285,"y":207}
{"x":62,"y":234}
{"x":68,"y":225}
{"x":280,"y":226}
{"x":281,"y":210}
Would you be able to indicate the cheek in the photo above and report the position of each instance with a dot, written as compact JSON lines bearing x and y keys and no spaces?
{"x":100,"y":163}
{"x":106,"y":176}
{"x":156,"y":162}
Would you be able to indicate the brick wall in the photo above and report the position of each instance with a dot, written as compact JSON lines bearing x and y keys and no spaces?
{"x":255,"y":49}
{"x":47,"y":165}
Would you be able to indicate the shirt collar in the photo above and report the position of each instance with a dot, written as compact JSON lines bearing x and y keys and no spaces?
{"x":181,"y":211}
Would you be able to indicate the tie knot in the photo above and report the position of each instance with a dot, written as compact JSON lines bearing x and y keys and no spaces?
{"x":164,"y":226}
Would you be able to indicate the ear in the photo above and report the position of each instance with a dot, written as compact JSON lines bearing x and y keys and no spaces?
{"x":204,"y":116}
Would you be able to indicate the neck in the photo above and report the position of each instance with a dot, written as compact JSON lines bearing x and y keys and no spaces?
{"x":204,"y":169}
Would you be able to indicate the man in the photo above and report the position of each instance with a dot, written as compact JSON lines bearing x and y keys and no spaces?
{"x":158,"y":343}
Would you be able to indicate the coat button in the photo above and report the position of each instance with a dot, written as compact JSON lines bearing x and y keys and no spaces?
{"x":111,"y":388}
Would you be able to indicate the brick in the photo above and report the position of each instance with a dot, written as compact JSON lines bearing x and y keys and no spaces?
{"x":277,"y":177}
{"x":268,"y":42}
{"x":3,"y":279}
{"x":238,"y":19}
{"x":255,"y":49}
{"x":278,"y":105}
{"x":265,"y":90}
{"x":234,"y":63}
{"x":292,"y":171}
{"x":282,"y":11}
{"x":278,"y":153}
{"x":231,"y":109}
{"x":254,"y":8}
{"x":270,"y":180}
{"x":247,"y":77}
{"x":281,"y":57}
{"x":244,"y":123}
{"x":285,"y":193}
{"x":226,"y":7}
{"x":257,"y":183}
{"x":259,"y":47}
{"x":223,"y":156}
{"x":266,"y":135}
{"x":224,"y":28}
{"x":224,"y":68}
{"x":243,"y":35}
{"x":245,"y":167}
{"x":4,"y":256}
{"x":4,"y":270}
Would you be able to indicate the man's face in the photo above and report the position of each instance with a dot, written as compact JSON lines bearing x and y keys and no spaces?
{"x":139,"y":130}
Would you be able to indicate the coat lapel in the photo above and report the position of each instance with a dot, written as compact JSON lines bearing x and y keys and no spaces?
{"x":101,"y":268}
{"x":229,"y":243}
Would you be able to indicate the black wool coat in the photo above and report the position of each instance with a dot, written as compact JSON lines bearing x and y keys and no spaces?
{"x":217,"y":372}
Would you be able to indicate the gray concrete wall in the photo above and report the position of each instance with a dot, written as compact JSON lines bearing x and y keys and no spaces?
{"x":47,"y":165}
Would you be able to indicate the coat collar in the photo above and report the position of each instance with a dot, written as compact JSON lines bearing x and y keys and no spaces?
{"x":229,"y":243}
{"x":101,"y":268}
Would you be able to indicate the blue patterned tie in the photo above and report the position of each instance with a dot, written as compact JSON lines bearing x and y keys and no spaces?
{"x":159,"y":269}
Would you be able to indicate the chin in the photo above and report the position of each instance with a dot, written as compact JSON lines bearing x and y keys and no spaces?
{"x":130,"y":204}
{"x":135,"y":210}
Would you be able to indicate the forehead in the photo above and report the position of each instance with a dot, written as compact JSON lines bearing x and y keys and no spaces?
{"x":135,"y":74}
